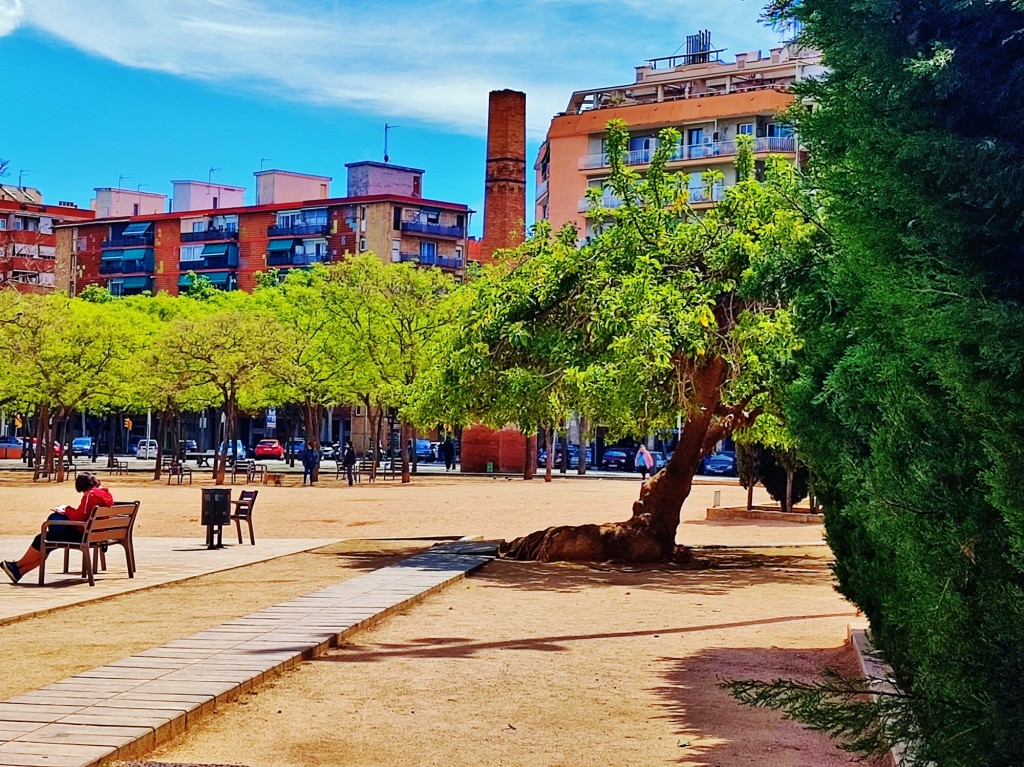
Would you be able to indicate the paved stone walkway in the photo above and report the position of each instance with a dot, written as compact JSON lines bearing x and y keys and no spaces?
{"x":126,"y":708}
{"x":159,"y":560}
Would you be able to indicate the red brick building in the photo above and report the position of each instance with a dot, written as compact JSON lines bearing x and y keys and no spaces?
{"x":27,"y":239}
{"x":295,"y":227}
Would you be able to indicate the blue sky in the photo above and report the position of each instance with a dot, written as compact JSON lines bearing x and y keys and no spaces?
{"x":155,"y":90}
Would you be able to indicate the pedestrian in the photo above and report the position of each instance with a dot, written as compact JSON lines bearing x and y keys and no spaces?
{"x":92,"y":496}
{"x":94,"y":448}
{"x":310,"y":458}
{"x":349,"y":462}
{"x":643,"y":462}
{"x":448,"y":453}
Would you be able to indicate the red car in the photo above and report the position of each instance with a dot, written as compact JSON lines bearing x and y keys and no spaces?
{"x":58,"y":450}
{"x":269,"y":448}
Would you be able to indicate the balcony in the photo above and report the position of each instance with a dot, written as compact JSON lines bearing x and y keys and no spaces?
{"x":765,"y":144}
{"x":124,"y":267}
{"x":542,"y":188}
{"x":434,"y":230}
{"x":132,"y":241}
{"x":210,"y":234}
{"x":287,"y":258}
{"x":698,"y":195}
{"x":443,"y":262}
{"x":298,"y":230}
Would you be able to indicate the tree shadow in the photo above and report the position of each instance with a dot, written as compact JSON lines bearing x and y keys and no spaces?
{"x":713,"y":572}
{"x":714,"y":729}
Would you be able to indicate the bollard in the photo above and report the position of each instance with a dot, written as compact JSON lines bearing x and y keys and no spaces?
{"x":718,"y":499}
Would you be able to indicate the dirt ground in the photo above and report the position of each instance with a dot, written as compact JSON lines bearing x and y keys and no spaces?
{"x":522,"y":664}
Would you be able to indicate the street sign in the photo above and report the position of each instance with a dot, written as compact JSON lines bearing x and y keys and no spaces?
{"x":272,"y":418}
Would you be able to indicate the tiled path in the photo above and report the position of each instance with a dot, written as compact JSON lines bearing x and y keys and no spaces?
{"x":160,"y":560}
{"x":127,"y":707}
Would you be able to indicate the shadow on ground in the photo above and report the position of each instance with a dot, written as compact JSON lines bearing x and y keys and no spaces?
{"x":714,"y":729}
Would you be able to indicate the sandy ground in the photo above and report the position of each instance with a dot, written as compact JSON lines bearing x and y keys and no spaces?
{"x":522,"y":664}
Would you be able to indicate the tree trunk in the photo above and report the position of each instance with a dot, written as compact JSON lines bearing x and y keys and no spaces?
{"x":405,"y":430}
{"x":788,"y":505}
{"x":39,"y":453}
{"x":649,"y":535}
{"x":311,"y":414}
{"x":549,"y":456}
{"x":581,"y":462}
{"x":750,"y":496}
{"x":530,"y":460}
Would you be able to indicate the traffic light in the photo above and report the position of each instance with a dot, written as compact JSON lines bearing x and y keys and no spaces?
{"x":17,"y":421}
{"x":128,"y":423}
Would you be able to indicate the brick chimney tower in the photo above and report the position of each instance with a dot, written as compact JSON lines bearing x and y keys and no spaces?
{"x":505,"y":184}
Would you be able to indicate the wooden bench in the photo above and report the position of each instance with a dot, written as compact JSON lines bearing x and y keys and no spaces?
{"x":356,"y":470}
{"x":105,"y":526}
{"x":243,"y":513}
{"x":365,"y":465}
{"x":118,"y":467}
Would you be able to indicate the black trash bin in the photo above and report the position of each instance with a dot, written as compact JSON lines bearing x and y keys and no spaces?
{"x":216,"y":513}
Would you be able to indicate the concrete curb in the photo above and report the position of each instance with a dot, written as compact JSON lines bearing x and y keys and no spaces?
{"x":874,"y":668}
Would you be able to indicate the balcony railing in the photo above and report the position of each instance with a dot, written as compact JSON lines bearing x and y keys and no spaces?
{"x":210,"y":234}
{"x":124,"y":267}
{"x":698,"y":194}
{"x":225,"y":261}
{"x":435,"y":230}
{"x":140,"y":241}
{"x":772,"y":144}
{"x":542,"y":188}
{"x":444,"y":262}
{"x":296,"y":259}
{"x":297,"y":230}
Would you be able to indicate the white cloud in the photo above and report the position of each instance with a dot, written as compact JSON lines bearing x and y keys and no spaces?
{"x":11,"y":13}
{"x":433,"y":60}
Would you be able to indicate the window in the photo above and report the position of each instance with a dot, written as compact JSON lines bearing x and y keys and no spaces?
{"x":362,"y":245}
{"x":289,"y":218}
{"x":198,"y":226}
{"x":227,"y":223}
{"x":433,"y":217}
{"x":778,"y":130}
{"x":396,"y":249}
{"x":696,"y":136}
{"x":215,"y":205}
{"x":135,"y":209}
{"x":116,"y":287}
{"x":397,"y":221}
{"x":362,"y":220}
{"x":745,"y":129}
{"x":3,"y":224}
{"x":415,"y":186}
{"x":428,"y":249}
{"x":458,"y":252}
{"x":191,"y":253}
{"x":317,"y":217}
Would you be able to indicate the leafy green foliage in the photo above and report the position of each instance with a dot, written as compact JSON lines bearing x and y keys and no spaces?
{"x":910,"y":403}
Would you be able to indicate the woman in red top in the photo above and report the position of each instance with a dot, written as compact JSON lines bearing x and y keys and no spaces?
{"x":92,"y":496}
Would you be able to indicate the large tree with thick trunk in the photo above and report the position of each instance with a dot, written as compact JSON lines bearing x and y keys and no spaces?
{"x":663,"y":310}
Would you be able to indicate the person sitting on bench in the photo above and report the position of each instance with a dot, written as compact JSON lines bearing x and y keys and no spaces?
{"x":92,"y":496}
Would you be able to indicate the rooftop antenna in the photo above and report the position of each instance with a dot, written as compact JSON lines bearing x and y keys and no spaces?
{"x":120,"y":181}
{"x":263,"y":160}
{"x":138,"y":187}
{"x":20,"y":174}
{"x":386,"y":129}
{"x":212,"y":171}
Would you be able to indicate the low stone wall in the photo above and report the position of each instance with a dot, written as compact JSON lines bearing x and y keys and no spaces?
{"x":765,"y":512}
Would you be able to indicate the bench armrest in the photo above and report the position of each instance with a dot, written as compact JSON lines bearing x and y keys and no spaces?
{"x":66,"y":522}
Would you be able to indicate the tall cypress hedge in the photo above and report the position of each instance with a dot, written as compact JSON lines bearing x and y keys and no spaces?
{"x":910,"y":403}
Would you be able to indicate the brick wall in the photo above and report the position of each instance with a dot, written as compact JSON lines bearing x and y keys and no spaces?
{"x":505,"y":449}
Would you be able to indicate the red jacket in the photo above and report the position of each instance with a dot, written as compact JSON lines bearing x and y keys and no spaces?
{"x":97,"y":496}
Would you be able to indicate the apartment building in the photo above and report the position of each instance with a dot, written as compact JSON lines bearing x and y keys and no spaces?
{"x":295,"y":223}
{"x":27,"y":239}
{"x":708,"y":100}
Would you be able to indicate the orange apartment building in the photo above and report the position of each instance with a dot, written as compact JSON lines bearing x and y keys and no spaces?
{"x":27,"y":239}
{"x":710,"y":102}
{"x":137,"y":247}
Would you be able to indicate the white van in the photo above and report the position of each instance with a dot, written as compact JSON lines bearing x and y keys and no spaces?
{"x":147,"y":449}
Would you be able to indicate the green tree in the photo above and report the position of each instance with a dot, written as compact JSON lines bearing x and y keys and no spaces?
{"x":662,"y":311}
{"x":910,"y":404}
{"x":390,"y":315}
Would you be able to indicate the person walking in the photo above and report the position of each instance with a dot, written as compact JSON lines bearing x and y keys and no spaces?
{"x":644,"y":461}
{"x":448,"y":453}
{"x":349,"y":462}
{"x":310,"y":458}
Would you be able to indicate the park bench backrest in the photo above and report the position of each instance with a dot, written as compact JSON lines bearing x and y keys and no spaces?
{"x":111,"y":524}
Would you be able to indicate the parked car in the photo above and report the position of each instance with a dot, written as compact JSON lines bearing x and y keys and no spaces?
{"x":296,"y":445}
{"x":269,"y":448}
{"x":188,"y":446}
{"x":424,"y":452}
{"x":147,"y":449}
{"x":81,"y":446}
{"x":11,"y":442}
{"x":574,"y":457}
{"x":618,"y":458}
{"x":660,"y":459}
{"x":237,"y":452}
{"x":58,"y":449}
{"x":329,"y":451}
{"x":723,"y":463}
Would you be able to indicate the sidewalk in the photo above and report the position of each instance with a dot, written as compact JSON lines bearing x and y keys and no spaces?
{"x":126,"y":708}
{"x":160,"y":561}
